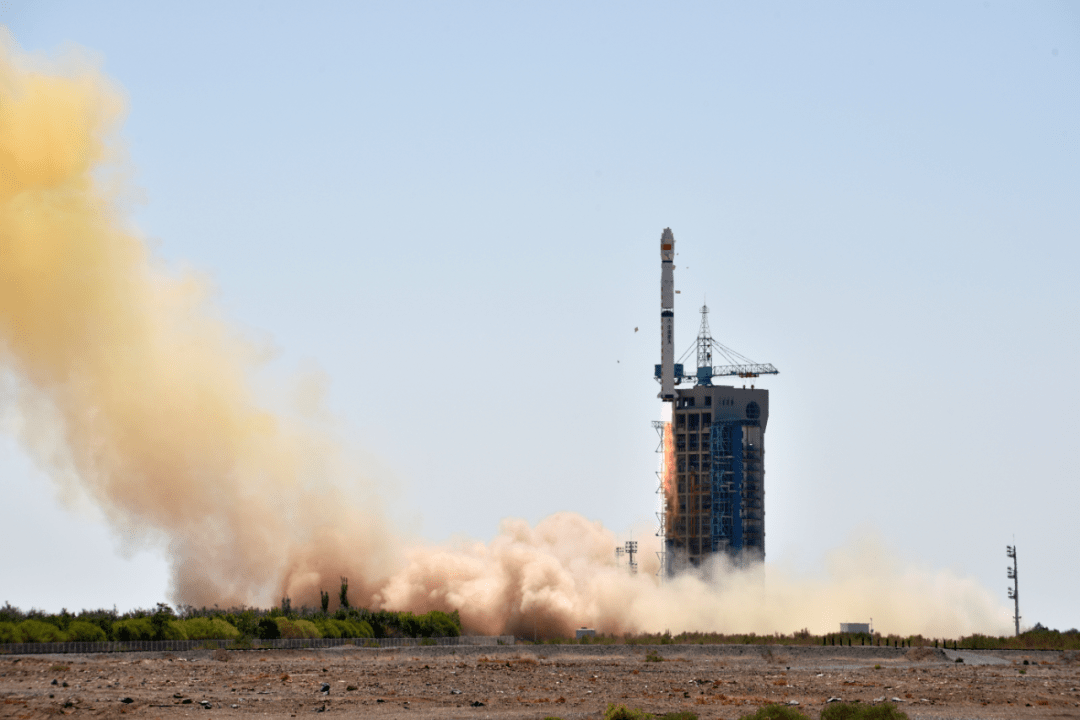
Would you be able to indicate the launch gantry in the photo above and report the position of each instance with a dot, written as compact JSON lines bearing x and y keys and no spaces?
{"x":712,"y":478}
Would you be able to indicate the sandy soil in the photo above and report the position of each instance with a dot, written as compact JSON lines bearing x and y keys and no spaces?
{"x":536,"y":681}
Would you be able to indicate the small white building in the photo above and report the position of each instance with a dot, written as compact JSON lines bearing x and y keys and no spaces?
{"x":855,"y":628}
{"x":585,"y":632}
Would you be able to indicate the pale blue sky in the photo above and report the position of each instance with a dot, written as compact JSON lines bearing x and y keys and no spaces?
{"x":453,"y":210}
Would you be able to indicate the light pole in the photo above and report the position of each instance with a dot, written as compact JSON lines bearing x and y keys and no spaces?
{"x":1014,"y":591}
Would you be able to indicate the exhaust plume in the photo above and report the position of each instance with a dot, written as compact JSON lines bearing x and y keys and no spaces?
{"x":129,"y":386}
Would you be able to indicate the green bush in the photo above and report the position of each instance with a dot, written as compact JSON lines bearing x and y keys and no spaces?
{"x":133,"y":629}
{"x":776,"y":712}
{"x":841,"y":711}
{"x":297,"y":628}
{"x":38,"y":631}
{"x":327,"y":628}
{"x":885,"y":711}
{"x":7,"y":631}
{"x":621,"y":712}
{"x":82,"y":631}
{"x":201,"y":628}
{"x":268,"y":629}
{"x":349,"y":629}
{"x":849,"y":711}
{"x":439,"y":624}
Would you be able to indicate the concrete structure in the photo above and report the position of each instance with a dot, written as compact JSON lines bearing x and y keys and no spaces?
{"x":713,"y":477}
{"x":855,"y":628}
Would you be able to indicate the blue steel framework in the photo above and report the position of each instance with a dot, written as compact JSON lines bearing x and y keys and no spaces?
{"x":737,"y":484}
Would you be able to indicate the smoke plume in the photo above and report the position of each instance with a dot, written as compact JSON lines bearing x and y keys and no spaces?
{"x":130,"y":387}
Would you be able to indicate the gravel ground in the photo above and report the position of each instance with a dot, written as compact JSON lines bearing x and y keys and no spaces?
{"x":525,"y":681}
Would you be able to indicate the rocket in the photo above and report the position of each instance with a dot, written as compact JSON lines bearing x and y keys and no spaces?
{"x":667,"y":315}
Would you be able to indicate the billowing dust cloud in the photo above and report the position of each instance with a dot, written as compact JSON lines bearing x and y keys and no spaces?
{"x":129,"y":386}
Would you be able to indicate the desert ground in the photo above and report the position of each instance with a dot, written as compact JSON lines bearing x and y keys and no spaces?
{"x":537,"y":681}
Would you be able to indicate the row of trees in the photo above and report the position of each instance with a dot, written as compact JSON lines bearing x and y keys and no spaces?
{"x":162,"y":623}
{"x":1037,"y":638}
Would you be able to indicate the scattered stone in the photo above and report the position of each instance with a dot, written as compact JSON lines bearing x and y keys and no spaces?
{"x":126,"y":700}
{"x":792,"y":702}
{"x":206,"y":704}
{"x":186,"y":701}
{"x":380,"y":700}
{"x":54,"y":682}
{"x":350,"y":688}
{"x":325,"y":689}
{"x":454,"y":692}
{"x":476,"y":703}
{"x":178,"y":695}
{"x":833,"y":699}
{"x":896,"y":699}
{"x":234,"y":706}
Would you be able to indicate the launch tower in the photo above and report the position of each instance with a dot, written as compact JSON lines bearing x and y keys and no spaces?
{"x":713,"y":476}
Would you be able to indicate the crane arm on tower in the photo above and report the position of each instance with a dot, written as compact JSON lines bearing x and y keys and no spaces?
{"x":745,"y":371}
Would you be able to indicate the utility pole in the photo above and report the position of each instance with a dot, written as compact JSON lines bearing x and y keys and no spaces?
{"x":631,"y":549}
{"x":1014,"y":591}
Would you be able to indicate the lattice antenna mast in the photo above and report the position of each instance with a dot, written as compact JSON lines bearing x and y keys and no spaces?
{"x":704,"y":349}
{"x":736,"y":364}
{"x":1014,"y":591}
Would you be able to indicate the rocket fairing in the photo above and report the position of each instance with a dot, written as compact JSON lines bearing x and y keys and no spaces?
{"x":667,"y":315}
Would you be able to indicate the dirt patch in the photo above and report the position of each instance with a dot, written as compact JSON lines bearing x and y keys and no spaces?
{"x":531,"y":682}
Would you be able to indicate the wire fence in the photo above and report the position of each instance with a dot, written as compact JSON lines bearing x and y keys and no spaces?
{"x":278,"y":644}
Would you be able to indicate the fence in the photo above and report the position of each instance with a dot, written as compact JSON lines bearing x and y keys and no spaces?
{"x":281,"y":643}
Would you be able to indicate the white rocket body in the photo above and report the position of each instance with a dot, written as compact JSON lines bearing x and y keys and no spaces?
{"x":667,"y":315}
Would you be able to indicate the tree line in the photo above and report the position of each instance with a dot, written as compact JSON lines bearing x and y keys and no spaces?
{"x":189,"y":623}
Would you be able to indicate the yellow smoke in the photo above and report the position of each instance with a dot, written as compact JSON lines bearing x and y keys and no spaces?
{"x":146,"y":387}
{"x":131,"y":387}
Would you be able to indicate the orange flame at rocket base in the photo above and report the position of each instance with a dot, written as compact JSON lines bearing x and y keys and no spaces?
{"x":668,"y":474}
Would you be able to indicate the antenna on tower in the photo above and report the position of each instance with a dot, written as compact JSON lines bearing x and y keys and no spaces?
{"x":737,"y":364}
{"x":704,"y":349}
{"x":1014,"y":591}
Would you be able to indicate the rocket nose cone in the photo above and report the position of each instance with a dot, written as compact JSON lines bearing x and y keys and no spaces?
{"x":667,"y":237}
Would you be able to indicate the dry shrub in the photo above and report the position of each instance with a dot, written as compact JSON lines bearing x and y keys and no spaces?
{"x":522,"y":660}
{"x":919,"y":654}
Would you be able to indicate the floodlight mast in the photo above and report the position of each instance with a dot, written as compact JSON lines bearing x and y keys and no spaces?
{"x":1014,"y":591}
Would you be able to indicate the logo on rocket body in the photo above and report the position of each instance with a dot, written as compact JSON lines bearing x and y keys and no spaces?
{"x":667,"y":246}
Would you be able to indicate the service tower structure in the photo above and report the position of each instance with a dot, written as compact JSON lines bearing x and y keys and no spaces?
{"x":713,"y":479}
